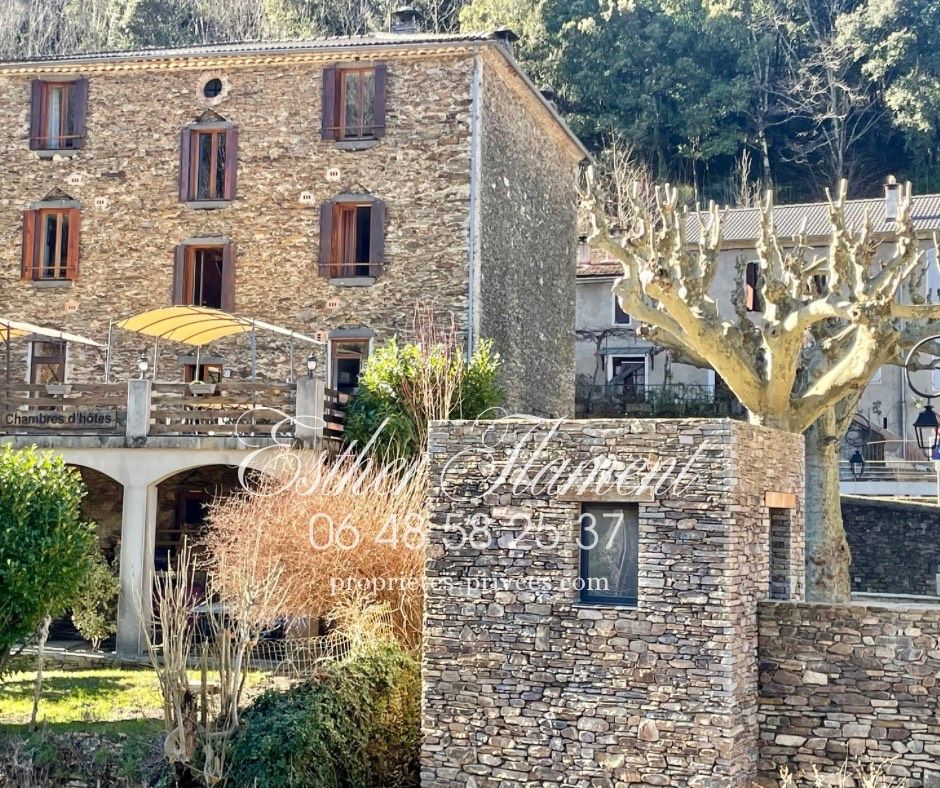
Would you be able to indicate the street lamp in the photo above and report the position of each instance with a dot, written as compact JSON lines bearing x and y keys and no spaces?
{"x":311,"y":365}
{"x":857,"y":462}
{"x":927,"y":426}
{"x":143,"y":365}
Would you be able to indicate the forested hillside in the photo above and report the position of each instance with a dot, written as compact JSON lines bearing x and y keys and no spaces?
{"x":726,"y":96}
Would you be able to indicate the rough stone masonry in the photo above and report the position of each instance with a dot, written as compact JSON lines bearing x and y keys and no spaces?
{"x":526,"y":685}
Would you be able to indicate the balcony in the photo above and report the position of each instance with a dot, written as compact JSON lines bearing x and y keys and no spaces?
{"x":663,"y":400}
{"x":142,"y":413}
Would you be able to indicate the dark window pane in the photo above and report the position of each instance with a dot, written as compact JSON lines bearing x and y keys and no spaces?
{"x":207,"y":278}
{"x":212,"y":88}
{"x":610,"y":553}
{"x":363,"y":233}
{"x":220,"y":168}
{"x":68,"y":128}
{"x":54,"y":117}
{"x":204,"y":167}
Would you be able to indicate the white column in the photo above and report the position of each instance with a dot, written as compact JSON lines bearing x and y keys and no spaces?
{"x":138,"y":531}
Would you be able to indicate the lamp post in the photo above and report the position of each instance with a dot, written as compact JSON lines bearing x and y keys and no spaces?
{"x":311,"y":365}
{"x":143,"y":365}
{"x":927,"y":425}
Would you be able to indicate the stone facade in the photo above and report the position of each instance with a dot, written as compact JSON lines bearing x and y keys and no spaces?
{"x":895,"y":545}
{"x":854,"y":681}
{"x":526,"y":685}
{"x":126,"y":181}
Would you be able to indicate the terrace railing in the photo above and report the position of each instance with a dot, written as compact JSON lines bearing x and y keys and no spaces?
{"x":663,"y":400}
{"x":63,"y":409}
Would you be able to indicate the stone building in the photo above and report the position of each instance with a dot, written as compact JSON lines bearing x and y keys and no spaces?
{"x":327,"y":187}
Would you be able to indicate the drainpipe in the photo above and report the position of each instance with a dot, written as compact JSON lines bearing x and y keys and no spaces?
{"x":473,"y":239}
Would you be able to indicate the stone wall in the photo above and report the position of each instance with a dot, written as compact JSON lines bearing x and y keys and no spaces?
{"x":851,"y":681}
{"x":524,"y":683}
{"x":895,"y":545}
{"x":528,"y":238}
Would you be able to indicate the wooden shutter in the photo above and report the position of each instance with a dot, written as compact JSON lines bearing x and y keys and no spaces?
{"x":231,"y":163}
{"x":328,"y":116}
{"x":378,"y":121}
{"x":179,"y":274}
{"x":73,"y":251}
{"x":35,"y":116}
{"x":751,"y":296}
{"x":28,"y":264}
{"x":80,"y":110}
{"x":228,"y":277}
{"x":185,"y":164}
{"x":377,"y":238}
{"x":326,"y":236}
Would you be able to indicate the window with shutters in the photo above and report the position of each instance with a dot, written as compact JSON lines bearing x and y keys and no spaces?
{"x":46,"y":362}
{"x":354,"y":103}
{"x":205,"y":276}
{"x":352,"y":239}
{"x":50,"y":244}
{"x":208,"y":164}
{"x":57,"y":120}
{"x":751,"y":287}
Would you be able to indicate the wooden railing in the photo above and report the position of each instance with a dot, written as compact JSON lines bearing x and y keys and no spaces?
{"x":236,"y":409}
{"x":72,"y":409}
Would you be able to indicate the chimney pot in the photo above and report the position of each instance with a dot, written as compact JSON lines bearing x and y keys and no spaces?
{"x":506,"y":36}
{"x":405,"y":20}
{"x":891,"y":199}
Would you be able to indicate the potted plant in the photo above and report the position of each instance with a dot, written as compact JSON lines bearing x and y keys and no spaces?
{"x":199,"y":388}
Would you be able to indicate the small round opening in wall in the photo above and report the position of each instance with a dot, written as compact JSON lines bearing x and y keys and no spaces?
{"x":212,"y":88}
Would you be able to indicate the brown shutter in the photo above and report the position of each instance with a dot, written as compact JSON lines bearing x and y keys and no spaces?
{"x":80,"y":111}
{"x":377,"y":238}
{"x":74,"y":247}
{"x":28,"y":264}
{"x":228,"y":277}
{"x":328,"y":117}
{"x":231,"y":163}
{"x":751,"y":296}
{"x":185,"y":164}
{"x":179,"y":273}
{"x":378,"y":121}
{"x":35,"y":116}
{"x":326,"y":236}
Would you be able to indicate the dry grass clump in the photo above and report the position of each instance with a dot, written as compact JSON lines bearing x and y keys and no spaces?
{"x":337,"y":531}
{"x":854,"y":775}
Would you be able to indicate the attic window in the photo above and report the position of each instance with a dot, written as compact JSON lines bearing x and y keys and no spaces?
{"x":212,"y":88}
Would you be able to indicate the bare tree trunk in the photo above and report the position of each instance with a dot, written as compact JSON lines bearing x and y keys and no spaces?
{"x":828,"y":557}
{"x":42,"y":635}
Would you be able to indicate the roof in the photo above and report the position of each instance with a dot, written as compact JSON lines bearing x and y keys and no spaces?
{"x":265,"y":51}
{"x":256,"y":48}
{"x":742,"y":225}
{"x":601,"y":264}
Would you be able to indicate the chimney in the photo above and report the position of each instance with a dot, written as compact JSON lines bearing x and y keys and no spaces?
{"x":404,"y":20}
{"x":891,"y":199}
{"x":506,"y":36}
{"x":584,"y":250}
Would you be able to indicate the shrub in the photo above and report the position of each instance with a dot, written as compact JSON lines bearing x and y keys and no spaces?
{"x":94,"y":611}
{"x":44,"y":545}
{"x":408,"y":385}
{"x":357,"y":726}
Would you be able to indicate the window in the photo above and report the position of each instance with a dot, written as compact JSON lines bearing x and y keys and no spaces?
{"x":57,"y":115}
{"x":353,"y":103}
{"x":621,"y":318}
{"x":347,"y":356}
{"x":46,"y":363}
{"x":208,"y":373}
{"x":820,"y":284}
{"x":212,"y":88}
{"x":204,"y":275}
{"x":751,"y":287}
{"x":352,"y":238}
{"x":50,"y":244}
{"x":610,"y":553}
{"x":781,"y":575}
{"x":628,"y":371}
{"x":932,"y":279}
{"x":208,"y":163}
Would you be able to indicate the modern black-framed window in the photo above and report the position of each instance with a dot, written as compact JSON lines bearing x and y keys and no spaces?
{"x":609,"y":540}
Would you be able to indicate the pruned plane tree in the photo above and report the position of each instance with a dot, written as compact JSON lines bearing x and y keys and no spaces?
{"x":830,"y":318}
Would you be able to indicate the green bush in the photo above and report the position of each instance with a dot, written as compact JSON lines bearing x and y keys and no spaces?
{"x":356,"y":726}
{"x":44,"y":545}
{"x":393,"y":369}
{"x":94,"y":611}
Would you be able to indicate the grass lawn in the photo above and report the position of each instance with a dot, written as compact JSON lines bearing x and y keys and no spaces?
{"x":125,"y":701}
